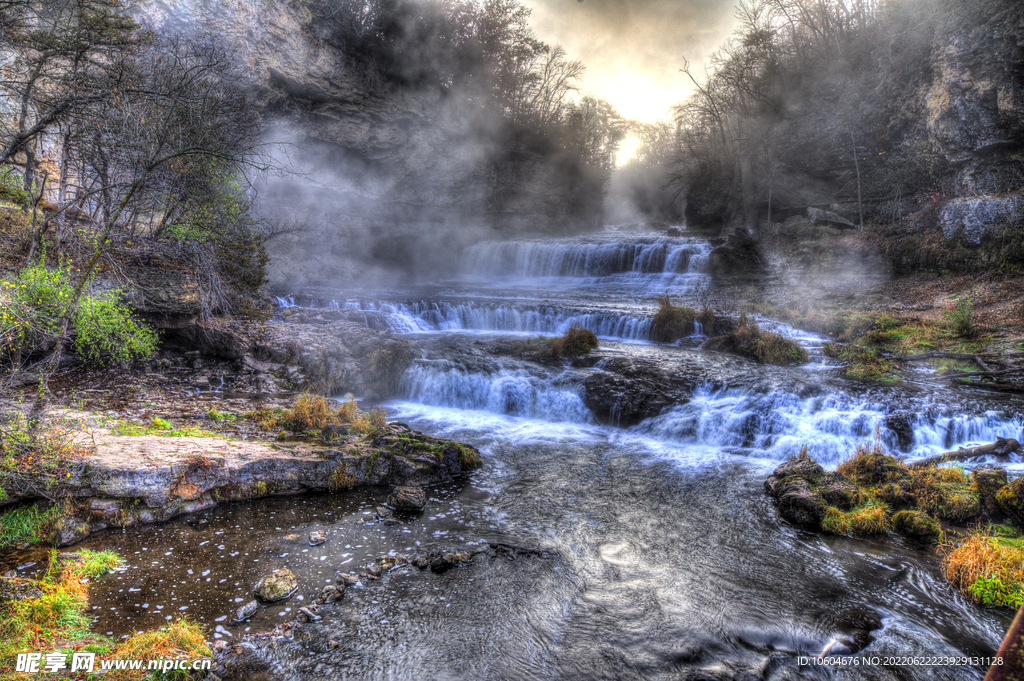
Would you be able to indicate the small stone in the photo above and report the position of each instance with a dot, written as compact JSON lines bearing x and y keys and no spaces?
{"x":374,"y":571}
{"x":331,"y":593}
{"x":317,"y":538}
{"x":384,"y":512}
{"x":391,"y":522}
{"x":421,"y":561}
{"x":10,"y":574}
{"x":333,"y":643}
{"x":219,"y":647}
{"x":246,"y":611}
{"x":346,"y":578}
{"x":407,"y":499}
{"x":277,"y":586}
{"x":23,"y":545}
{"x":203,"y":383}
{"x":293,"y":537}
{"x":307,"y":615}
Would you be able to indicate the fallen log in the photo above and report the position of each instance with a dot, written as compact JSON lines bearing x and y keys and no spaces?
{"x":1001,"y":447}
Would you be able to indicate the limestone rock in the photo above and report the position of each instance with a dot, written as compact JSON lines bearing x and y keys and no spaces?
{"x":246,"y":611}
{"x":277,"y":586}
{"x":412,"y":499}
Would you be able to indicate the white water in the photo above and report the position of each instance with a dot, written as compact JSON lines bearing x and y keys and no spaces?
{"x":424,"y":316}
{"x":596,"y":257}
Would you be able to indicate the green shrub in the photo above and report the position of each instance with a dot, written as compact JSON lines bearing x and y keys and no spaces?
{"x":993,"y":591}
{"x":105,"y":330}
{"x":959,"y":314}
{"x":12,"y":187}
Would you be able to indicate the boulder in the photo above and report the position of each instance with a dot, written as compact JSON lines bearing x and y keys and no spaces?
{"x":799,"y":505}
{"x":277,"y":586}
{"x":916,"y":525}
{"x":1011,"y":501}
{"x":412,"y":499}
{"x":989,"y":482}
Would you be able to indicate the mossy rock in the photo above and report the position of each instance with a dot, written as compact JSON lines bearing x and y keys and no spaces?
{"x":800,"y":505}
{"x":277,"y":586}
{"x":873,"y":468}
{"x":916,"y":524}
{"x":1011,"y":501}
{"x":988,"y":483}
{"x":896,"y":496}
{"x":839,"y":492}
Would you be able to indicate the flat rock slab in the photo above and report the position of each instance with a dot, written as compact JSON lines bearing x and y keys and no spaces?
{"x":129,"y":480}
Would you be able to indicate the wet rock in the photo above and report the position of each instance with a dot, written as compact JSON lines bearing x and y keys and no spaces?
{"x":916,"y":525}
{"x":626,"y":392}
{"x":307,"y":615}
{"x":293,"y":537}
{"x":218,"y":647}
{"x":673,"y":231}
{"x":202,"y":383}
{"x":246,"y":611}
{"x":277,"y":585}
{"x":331,"y":593}
{"x":799,"y":505}
{"x":412,"y":499}
{"x":317,"y":538}
{"x":420,"y":561}
{"x":10,"y":573}
{"x":333,"y":643}
{"x":346,"y":578}
{"x":803,"y":466}
{"x":988,"y":483}
{"x":384,"y":512}
{"x":899,"y":424}
{"x":17,"y":589}
{"x":446,"y":561}
{"x":69,"y":557}
{"x":374,"y":571}
{"x":70,"y":530}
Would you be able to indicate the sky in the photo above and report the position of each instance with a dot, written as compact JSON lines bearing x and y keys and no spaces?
{"x":634,"y":49}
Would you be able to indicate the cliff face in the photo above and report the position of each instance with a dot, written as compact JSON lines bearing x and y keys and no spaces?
{"x":975,"y":115}
{"x":390,"y":177}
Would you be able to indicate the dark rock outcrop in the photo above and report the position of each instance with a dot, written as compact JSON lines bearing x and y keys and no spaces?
{"x":627,"y":391}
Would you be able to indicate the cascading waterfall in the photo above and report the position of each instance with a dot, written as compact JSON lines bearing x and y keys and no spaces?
{"x":779,"y":423}
{"x":427,"y":316}
{"x":509,"y":392}
{"x":586,"y":257}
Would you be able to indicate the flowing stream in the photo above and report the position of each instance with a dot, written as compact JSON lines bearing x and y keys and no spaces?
{"x":663,"y":557}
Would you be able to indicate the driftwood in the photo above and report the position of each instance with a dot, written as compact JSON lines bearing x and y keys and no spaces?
{"x":1001,"y":447}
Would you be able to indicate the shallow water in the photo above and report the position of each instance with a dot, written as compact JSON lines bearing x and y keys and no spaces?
{"x":663,"y":554}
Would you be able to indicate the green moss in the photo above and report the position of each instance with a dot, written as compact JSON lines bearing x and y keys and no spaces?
{"x":1011,"y":501}
{"x":863,"y":364}
{"x":916,"y":524}
{"x":162,"y":427}
{"x":870,"y":517}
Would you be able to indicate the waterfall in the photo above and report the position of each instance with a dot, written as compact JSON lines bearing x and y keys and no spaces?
{"x":509,"y":392}
{"x":591,"y":257}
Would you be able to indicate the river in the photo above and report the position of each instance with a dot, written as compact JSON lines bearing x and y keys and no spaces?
{"x":662,"y":556}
